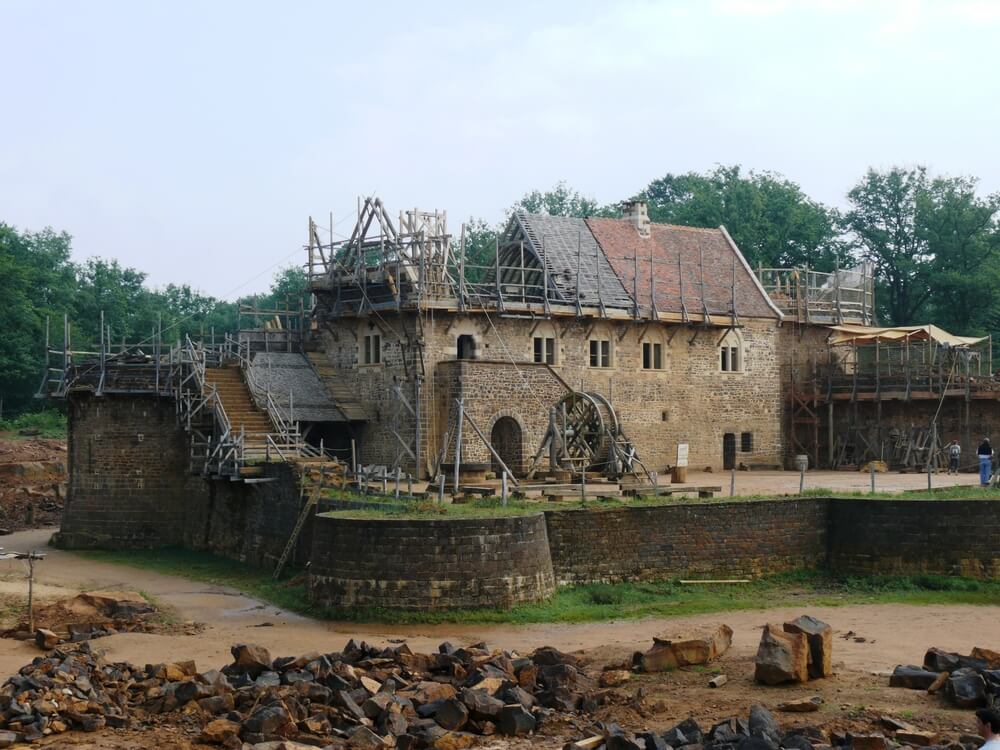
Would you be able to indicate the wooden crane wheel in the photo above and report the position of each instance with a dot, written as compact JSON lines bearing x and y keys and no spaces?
{"x":588,"y":425}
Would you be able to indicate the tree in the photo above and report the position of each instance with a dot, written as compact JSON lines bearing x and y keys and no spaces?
{"x":933,"y":244}
{"x":961,"y":234}
{"x":561,"y":200}
{"x":769,"y":217}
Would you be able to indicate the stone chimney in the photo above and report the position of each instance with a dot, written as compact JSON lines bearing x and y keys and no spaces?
{"x":637,"y":212}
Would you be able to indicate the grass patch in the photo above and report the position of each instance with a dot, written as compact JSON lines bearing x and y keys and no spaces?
{"x":390,"y":507}
{"x":584,"y":603}
{"x":50,"y":423}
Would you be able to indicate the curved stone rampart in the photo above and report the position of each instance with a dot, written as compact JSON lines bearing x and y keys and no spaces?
{"x":430,"y":564}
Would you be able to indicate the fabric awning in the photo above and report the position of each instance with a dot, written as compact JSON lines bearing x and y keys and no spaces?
{"x":853,"y":334}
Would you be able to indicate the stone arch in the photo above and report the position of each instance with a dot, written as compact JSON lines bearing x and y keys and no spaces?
{"x":507,"y":436}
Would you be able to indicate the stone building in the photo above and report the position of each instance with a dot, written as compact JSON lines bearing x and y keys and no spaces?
{"x":667,"y":326}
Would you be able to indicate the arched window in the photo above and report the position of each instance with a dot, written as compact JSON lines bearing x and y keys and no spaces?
{"x":731,"y":352}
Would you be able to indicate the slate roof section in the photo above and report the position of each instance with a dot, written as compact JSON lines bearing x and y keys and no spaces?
{"x":690,"y":253}
{"x":565,"y":243}
{"x":290,"y":372}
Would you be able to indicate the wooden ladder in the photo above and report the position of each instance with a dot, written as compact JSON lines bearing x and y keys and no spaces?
{"x":300,"y":522}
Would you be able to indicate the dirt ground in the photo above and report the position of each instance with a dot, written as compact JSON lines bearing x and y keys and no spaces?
{"x":32,"y":481}
{"x":883,"y":636}
{"x":787,"y":482}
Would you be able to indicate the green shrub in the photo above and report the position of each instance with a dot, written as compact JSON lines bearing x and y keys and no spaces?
{"x":50,"y":423}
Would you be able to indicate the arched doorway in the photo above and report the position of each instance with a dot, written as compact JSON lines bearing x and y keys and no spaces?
{"x":505,"y":437}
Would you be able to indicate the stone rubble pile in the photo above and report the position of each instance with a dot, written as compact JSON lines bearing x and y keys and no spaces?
{"x":361,"y":697}
{"x":759,"y":731}
{"x":92,"y":614}
{"x":971,"y":681}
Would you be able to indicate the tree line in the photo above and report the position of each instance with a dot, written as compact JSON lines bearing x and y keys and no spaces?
{"x":40,"y":283}
{"x":934,"y":242}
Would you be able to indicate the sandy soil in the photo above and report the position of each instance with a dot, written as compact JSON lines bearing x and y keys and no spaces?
{"x":787,"y":482}
{"x":893,"y":634}
{"x":883,"y":636}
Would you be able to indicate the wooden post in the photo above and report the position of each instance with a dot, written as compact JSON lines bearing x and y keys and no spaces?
{"x":871,"y":467}
{"x":417,"y":427}
{"x":802,"y":479}
{"x":656,"y":482}
{"x":583,"y":484}
{"x":579,"y":263}
{"x":458,"y":442}
{"x":461,"y":274}
{"x":497,"y":272}
{"x":441,"y":488}
{"x":829,"y":434}
{"x":545,"y":277}
{"x":732,"y":482}
{"x":31,"y":591}
{"x":635,"y":283}
{"x":503,"y":488}
{"x":398,"y":477}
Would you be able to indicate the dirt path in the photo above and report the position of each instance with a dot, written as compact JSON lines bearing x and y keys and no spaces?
{"x":893,"y":634}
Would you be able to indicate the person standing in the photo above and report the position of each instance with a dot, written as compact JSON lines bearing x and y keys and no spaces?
{"x":988,"y":727}
{"x":954,"y":453}
{"x":985,"y":453}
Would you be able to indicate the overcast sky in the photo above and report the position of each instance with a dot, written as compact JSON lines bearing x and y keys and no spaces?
{"x":193,"y":140}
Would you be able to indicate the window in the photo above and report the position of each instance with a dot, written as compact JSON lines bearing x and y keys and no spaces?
{"x":371,"y":353}
{"x":731,"y":353}
{"x":652,"y":355}
{"x":746,"y":442}
{"x":545,"y":350}
{"x":600,"y":353}
{"x":466,"y":347}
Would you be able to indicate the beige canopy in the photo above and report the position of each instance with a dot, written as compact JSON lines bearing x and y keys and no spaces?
{"x":852,"y":334}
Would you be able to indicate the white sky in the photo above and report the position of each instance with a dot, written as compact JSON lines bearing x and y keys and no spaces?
{"x":193,"y":140}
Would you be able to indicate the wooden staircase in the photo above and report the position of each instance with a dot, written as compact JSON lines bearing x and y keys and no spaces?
{"x":244,"y":415}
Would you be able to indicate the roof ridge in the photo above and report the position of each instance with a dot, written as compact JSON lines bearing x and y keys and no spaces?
{"x":666,"y":225}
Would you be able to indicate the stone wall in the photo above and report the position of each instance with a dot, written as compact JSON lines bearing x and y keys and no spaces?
{"x":130,"y":487}
{"x":906,"y":537}
{"x":129,"y":484}
{"x":690,"y":400}
{"x":712,"y":540}
{"x":417,"y":564}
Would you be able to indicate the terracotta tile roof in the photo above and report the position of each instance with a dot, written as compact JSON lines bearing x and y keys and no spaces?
{"x":681,"y":253}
